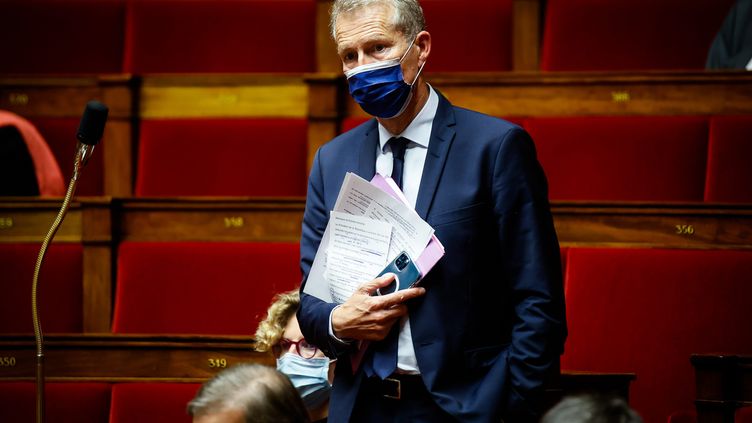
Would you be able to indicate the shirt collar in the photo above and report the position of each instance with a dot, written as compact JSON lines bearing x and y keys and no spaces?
{"x":419,"y":130}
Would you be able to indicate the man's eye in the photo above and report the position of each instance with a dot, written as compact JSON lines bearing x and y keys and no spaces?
{"x":379,"y":48}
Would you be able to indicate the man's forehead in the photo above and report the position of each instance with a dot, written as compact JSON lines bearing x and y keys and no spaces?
{"x":373,"y":21}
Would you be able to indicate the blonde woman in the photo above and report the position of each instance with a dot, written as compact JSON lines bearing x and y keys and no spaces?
{"x":306,"y":366}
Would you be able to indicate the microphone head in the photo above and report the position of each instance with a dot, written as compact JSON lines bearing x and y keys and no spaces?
{"x":91,"y":128}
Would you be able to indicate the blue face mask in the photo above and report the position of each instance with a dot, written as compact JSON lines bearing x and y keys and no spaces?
{"x":310,"y":376}
{"x":380,"y":88}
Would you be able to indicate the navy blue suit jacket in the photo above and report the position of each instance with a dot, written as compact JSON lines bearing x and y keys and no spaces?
{"x":491,"y":324}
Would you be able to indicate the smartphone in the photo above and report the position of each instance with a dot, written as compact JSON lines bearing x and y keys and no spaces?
{"x":405,"y":271}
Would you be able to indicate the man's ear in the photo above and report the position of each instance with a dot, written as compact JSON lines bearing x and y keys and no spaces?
{"x":423,"y":42}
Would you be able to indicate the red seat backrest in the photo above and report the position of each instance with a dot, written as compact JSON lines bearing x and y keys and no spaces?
{"x":222,"y":157}
{"x":61,"y":37}
{"x":60,"y":288}
{"x":151,"y":402}
{"x":467,"y":37}
{"x":60,"y":134}
{"x":205,"y":36}
{"x":622,"y":158}
{"x":743,"y":415}
{"x":629,"y":34}
{"x":647,"y":310}
{"x":200,"y":287}
{"x":729,"y":149}
{"x":64,"y":402}
{"x":683,"y":416}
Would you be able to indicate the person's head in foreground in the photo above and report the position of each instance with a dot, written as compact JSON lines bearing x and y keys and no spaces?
{"x":591,"y":409}
{"x":306,"y":366}
{"x":248,"y":393}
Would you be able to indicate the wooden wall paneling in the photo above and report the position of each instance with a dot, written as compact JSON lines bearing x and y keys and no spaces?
{"x":208,"y":219}
{"x":653,"y":225}
{"x":188,"y":358}
{"x":97,"y":266}
{"x":326,"y":93}
{"x":583,"y":94}
{"x":26,"y":219}
{"x":526,"y":35}
{"x":123,"y":358}
{"x":225,"y":96}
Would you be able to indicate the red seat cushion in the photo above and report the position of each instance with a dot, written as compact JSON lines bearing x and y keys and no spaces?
{"x":60,"y":288}
{"x":222,"y":157}
{"x":645,"y":311}
{"x":60,"y":134}
{"x":457,"y":31}
{"x":151,"y":402}
{"x":64,"y":402}
{"x":629,"y":34}
{"x":70,"y":37}
{"x":683,"y":416}
{"x":220,"y":36}
{"x":200,"y":288}
{"x":743,"y":415}
{"x":623,"y":158}
{"x":729,"y":150}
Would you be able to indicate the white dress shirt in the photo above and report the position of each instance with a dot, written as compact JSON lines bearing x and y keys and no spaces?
{"x":419,"y":134}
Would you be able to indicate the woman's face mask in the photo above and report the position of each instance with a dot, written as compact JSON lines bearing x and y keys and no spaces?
{"x":309,"y":376}
{"x":380,"y":88}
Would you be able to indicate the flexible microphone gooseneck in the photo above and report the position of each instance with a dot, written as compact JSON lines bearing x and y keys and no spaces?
{"x":89,"y":133}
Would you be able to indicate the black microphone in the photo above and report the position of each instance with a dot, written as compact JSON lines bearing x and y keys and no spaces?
{"x":91,"y":128}
{"x":89,"y":133}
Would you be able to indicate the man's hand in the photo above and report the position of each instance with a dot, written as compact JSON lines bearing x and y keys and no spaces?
{"x":364,"y":317}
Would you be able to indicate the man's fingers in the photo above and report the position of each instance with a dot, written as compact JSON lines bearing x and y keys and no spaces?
{"x":400,"y":297}
{"x":370,"y":287}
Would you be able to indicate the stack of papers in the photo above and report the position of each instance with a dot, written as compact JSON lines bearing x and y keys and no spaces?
{"x":370,"y":225}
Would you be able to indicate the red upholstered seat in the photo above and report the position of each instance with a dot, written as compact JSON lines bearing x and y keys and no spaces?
{"x":60,"y":288}
{"x":729,"y":150}
{"x":646,"y":310}
{"x":69,"y":37}
{"x":629,"y":34}
{"x":623,"y":158}
{"x":60,"y":134}
{"x":683,"y":416}
{"x":64,"y":402}
{"x":200,"y":288}
{"x":151,"y":402}
{"x":743,"y":415}
{"x":220,"y":36}
{"x":469,"y":38}
{"x":222,"y":157}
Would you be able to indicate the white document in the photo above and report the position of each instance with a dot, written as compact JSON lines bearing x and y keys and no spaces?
{"x":358,"y":250}
{"x":359,"y":197}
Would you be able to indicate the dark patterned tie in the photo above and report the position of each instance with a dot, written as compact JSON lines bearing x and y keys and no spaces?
{"x":385,"y":352}
{"x":398,"y":146}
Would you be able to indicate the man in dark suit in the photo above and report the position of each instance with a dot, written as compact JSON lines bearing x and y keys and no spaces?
{"x":476,"y":342}
{"x":732,"y":46}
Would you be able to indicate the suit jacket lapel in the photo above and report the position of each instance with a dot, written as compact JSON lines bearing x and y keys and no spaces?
{"x":367,"y":155}
{"x":442,"y":135}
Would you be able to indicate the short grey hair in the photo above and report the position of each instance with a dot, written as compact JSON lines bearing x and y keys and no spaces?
{"x":262,"y":393}
{"x":407,"y":15}
{"x":591,"y":409}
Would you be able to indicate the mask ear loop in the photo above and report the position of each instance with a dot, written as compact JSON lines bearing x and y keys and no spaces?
{"x":412,"y":84}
